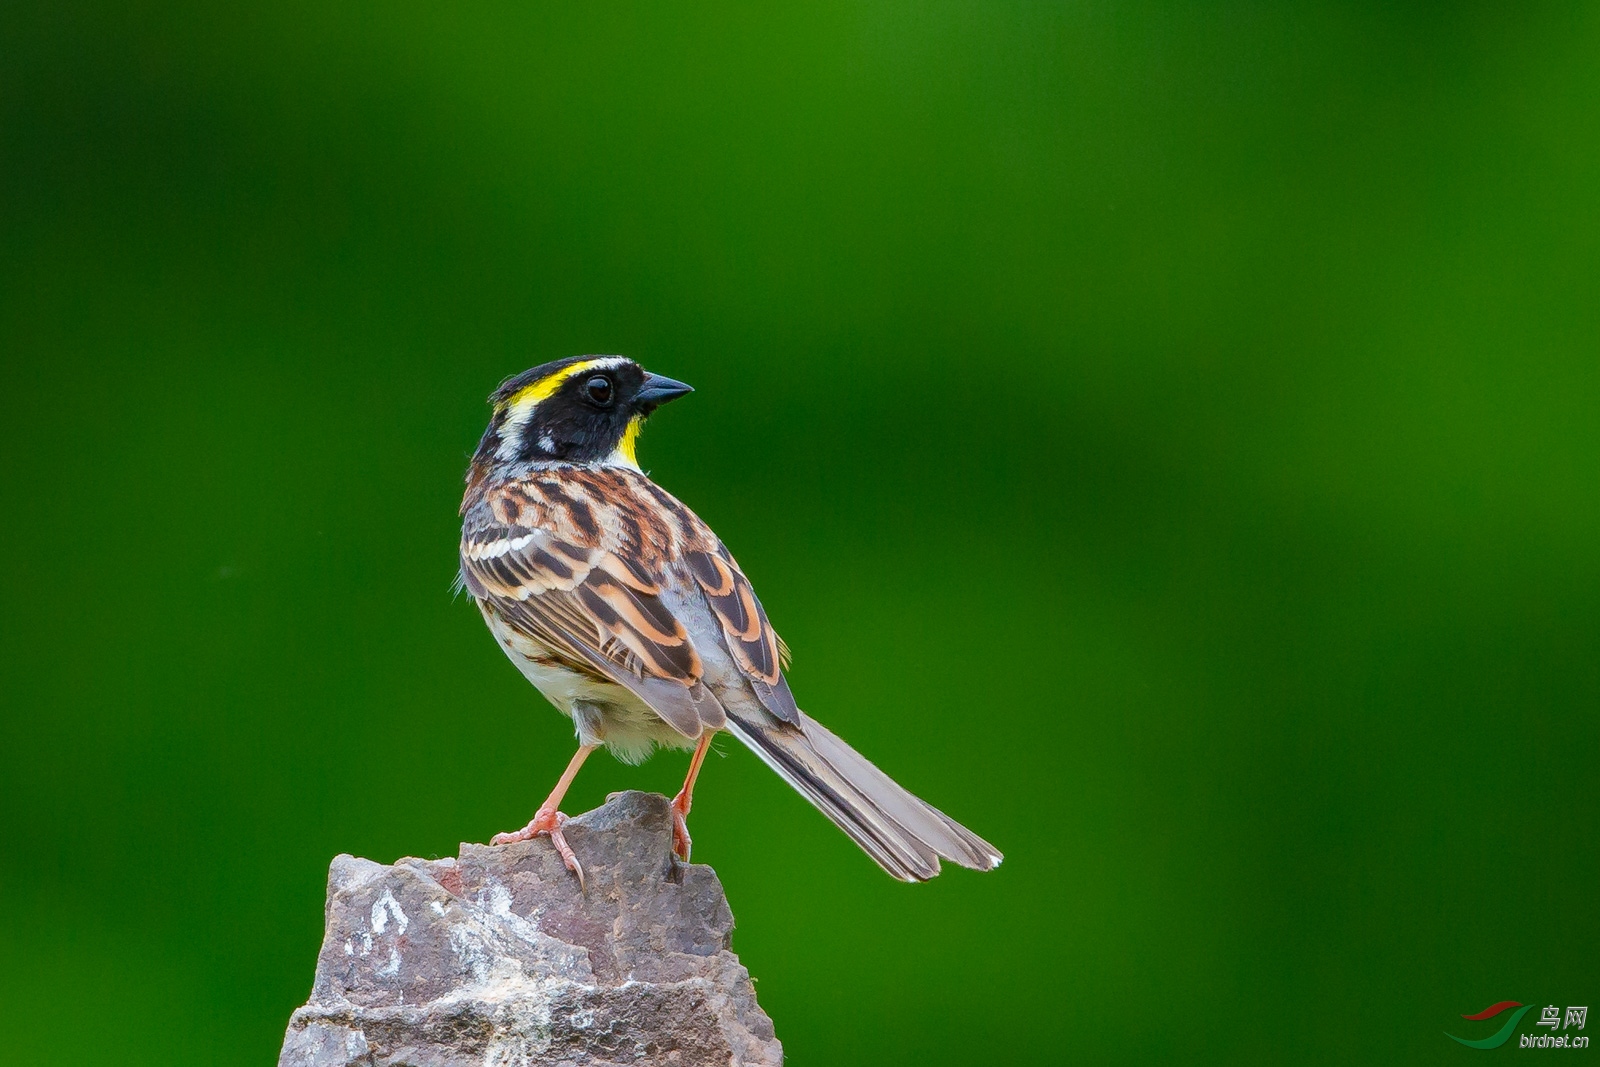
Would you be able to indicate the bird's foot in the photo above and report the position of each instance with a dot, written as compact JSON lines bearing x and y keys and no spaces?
{"x":548,"y":823}
{"x":681,"y":842}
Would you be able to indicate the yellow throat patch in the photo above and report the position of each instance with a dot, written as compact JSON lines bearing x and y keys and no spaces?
{"x":630,"y":437}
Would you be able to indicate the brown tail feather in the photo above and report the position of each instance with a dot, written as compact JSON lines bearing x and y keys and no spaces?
{"x":906,"y":836}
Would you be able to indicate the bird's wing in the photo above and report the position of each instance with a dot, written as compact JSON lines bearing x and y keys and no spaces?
{"x":757,"y":650}
{"x":755,"y":647}
{"x":575,"y":560}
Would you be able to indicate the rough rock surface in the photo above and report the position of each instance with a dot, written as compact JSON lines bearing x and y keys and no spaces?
{"x":495,"y":959}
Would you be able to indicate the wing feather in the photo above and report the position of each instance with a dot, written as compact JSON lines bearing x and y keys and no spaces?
{"x":579,"y":560}
{"x":546,"y":557}
{"x":746,"y":633}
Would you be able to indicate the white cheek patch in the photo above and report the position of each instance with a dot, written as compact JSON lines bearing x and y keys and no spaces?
{"x":511,"y":431}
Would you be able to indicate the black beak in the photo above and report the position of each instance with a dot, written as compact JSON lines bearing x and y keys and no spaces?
{"x":657,"y":390}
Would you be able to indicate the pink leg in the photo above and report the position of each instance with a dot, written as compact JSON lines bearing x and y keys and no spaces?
{"x":681,"y":802}
{"x":547,"y":820}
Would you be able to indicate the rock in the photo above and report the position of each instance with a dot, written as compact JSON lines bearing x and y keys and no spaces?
{"x":496,"y":959}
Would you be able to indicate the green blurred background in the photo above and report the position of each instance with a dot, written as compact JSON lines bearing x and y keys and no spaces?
{"x":1168,"y":436}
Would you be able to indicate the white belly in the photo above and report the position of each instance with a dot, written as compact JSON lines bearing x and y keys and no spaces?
{"x":603,"y":712}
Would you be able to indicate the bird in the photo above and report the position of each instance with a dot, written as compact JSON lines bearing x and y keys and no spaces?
{"x":632,"y":618}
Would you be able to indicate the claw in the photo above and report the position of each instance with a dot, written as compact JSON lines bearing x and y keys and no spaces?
{"x":548,"y":823}
{"x":567,"y":855}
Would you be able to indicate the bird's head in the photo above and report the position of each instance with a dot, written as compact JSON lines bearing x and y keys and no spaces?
{"x":587,"y":409}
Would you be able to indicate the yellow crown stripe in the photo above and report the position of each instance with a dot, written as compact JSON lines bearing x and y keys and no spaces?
{"x":545,"y":387}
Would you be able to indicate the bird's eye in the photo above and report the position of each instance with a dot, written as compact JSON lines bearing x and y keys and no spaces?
{"x":599,"y":389}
